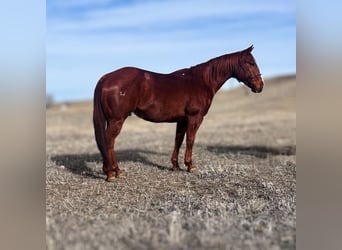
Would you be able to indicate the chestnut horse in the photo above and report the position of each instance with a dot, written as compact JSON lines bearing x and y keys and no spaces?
{"x":183,"y":96}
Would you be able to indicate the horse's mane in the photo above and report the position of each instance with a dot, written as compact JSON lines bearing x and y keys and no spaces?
{"x":216,"y":68}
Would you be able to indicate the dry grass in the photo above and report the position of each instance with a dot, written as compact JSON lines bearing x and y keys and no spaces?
{"x":243,"y":195}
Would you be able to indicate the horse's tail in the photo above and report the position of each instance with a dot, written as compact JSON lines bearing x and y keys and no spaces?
{"x":99,"y":120}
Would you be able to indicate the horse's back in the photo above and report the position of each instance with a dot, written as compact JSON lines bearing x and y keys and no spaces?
{"x":125,"y":73}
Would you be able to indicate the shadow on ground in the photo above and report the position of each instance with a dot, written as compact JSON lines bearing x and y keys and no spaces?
{"x":255,"y":150}
{"x":81,"y":163}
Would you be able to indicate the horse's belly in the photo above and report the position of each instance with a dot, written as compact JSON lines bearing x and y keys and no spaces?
{"x":160,"y":114}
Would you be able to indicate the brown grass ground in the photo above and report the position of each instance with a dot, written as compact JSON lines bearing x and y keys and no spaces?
{"x":243,"y":195}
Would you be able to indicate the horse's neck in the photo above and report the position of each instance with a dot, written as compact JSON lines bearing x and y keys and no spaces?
{"x":218,"y":70}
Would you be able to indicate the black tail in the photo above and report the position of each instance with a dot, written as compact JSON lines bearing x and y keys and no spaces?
{"x":99,"y":120}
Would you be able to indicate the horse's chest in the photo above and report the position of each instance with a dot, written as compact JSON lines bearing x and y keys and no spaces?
{"x":198,"y":106}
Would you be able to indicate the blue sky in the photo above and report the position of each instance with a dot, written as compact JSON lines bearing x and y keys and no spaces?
{"x":88,"y":38}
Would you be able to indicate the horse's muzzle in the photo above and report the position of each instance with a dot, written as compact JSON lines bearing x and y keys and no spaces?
{"x":258,"y":90}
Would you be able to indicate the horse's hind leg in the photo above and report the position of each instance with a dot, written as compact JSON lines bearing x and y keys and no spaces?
{"x":113,"y":130}
{"x":180,"y":132}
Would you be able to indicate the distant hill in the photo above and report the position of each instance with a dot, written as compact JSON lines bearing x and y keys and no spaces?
{"x":279,"y":93}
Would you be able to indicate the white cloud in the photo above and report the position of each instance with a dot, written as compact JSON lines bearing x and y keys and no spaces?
{"x":143,"y":14}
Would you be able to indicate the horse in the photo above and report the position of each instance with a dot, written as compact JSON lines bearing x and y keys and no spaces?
{"x":183,"y":97}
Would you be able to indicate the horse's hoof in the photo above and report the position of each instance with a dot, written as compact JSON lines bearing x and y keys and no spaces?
{"x":120,"y":174}
{"x":110,"y":179}
{"x":176,"y":169}
{"x":192,"y":169}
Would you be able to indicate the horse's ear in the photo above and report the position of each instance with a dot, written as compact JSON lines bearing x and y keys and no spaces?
{"x":249,"y":50}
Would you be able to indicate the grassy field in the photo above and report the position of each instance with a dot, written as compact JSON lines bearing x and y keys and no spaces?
{"x":243,"y":195}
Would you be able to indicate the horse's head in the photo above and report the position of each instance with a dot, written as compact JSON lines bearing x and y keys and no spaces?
{"x":248,"y":72}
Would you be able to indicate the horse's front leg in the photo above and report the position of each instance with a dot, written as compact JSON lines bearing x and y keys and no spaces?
{"x":180,"y":132}
{"x":193,"y":124}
